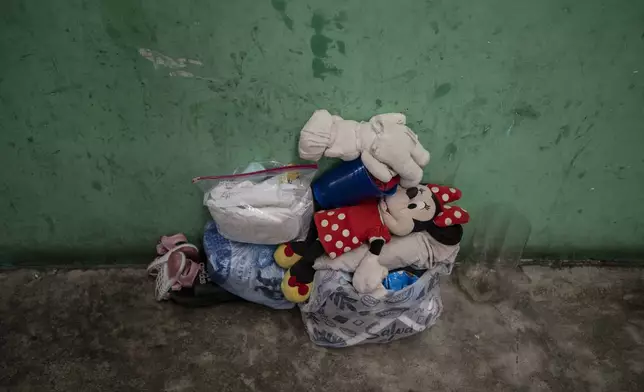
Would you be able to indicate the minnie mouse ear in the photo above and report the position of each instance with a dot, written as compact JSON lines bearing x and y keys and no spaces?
{"x":452,"y":215}
{"x":445,"y":194}
{"x":450,"y":235}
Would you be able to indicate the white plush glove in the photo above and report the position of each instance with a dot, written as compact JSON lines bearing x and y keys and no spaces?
{"x":369,"y":275}
{"x":397,"y":147}
{"x":386,"y":145}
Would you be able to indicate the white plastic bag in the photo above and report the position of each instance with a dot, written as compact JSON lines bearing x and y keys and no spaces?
{"x":338,"y":316}
{"x":270,"y":206}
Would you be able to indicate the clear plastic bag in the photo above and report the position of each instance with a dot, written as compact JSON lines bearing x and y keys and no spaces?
{"x":268,"y":206}
{"x":338,"y":316}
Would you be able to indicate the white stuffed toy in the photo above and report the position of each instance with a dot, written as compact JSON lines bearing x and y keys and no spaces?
{"x":418,"y":250}
{"x":385,"y":144}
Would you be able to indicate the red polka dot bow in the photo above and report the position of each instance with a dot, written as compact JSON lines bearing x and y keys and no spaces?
{"x":449,"y":215}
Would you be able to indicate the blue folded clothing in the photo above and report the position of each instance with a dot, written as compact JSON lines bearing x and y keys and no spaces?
{"x":246,"y":270}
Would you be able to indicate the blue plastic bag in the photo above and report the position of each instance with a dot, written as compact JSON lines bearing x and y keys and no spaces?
{"x":246,"y":270}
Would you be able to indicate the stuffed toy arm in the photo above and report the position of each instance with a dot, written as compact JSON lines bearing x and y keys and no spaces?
{"x":369,"y":274}
{"x":418,"y":250}
{"x":386,"y":145}
{"x":330,"y":136}
{"x":395,"y":146}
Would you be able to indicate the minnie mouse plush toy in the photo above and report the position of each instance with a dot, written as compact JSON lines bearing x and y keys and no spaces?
{"x":341,"y":230}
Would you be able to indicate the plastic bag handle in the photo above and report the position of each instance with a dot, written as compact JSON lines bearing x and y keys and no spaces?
{"x":312,"y":166}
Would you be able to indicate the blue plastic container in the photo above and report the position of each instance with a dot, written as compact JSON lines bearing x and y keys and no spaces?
{"x":346,"y":185}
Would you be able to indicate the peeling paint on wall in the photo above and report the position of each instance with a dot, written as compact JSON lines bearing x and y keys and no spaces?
{"x":160,"y":60}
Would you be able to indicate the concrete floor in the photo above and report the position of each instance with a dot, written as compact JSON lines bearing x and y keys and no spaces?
{"x":101,"y":330}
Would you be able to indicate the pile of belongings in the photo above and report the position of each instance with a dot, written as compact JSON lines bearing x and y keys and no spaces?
{"x":359,"y":248}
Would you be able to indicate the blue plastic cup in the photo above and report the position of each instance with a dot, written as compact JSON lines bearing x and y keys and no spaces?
{"x":346,"y":185}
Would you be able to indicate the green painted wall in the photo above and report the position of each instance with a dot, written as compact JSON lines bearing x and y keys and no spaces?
{"x":108,"y":109}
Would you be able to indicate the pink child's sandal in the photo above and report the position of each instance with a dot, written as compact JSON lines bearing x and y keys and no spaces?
{"x":175,"y":268}
{"x":169,"y":245}
{"x":167,"y":242}
{"x":177,"y":273}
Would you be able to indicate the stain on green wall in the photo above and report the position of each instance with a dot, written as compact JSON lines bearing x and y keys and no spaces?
{"x":107,"y":110}
{"x":320,"y":44}
{"x":280,"y":6}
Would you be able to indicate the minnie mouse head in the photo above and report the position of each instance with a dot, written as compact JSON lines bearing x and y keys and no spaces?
{"x":425,"y":208}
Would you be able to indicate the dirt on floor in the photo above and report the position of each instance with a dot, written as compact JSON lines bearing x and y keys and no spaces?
{"x":578,"y":329}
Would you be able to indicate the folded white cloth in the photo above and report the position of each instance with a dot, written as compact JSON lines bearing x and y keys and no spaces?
{"x":268,"y":211}
{"x":269,"y":193}
{"x":266,"y":225}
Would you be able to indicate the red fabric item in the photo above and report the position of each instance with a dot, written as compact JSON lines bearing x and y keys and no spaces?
{"x":385,"y":186}
{"x":302,"y":289}
{"x":344,"y":229}
{"x":450,"y":215}
{"x":392,"y":183}
{"x":292,"y":281}
{"x":445,"y":194}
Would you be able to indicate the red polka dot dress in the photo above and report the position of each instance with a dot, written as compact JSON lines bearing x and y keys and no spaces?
{"x":343,"y":229}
